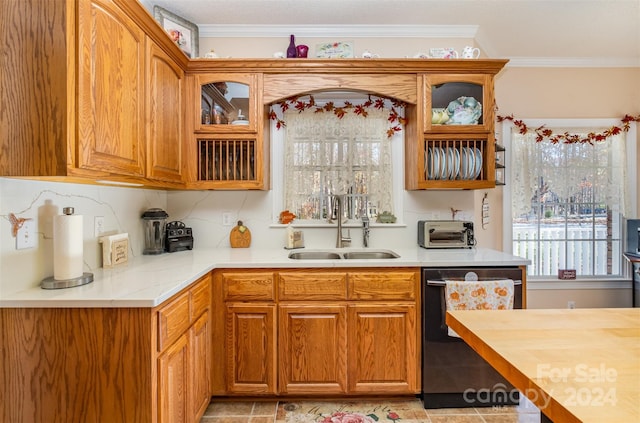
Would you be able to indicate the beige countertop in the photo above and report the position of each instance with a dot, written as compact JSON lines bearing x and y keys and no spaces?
{"x":147,"y":281}
{"x":580,"y":365}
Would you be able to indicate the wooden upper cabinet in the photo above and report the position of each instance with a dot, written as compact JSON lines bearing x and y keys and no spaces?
{"x":164,"y":111}
{"x":111,"y":51}
{"x":79,"y":104}
{"x":228,"y":145}
{"x":454,"y":145}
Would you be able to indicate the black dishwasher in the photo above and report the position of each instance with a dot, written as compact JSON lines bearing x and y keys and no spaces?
{"x":453,"y":375}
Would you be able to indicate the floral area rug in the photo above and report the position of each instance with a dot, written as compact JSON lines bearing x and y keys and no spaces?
{"x":392,"y":411}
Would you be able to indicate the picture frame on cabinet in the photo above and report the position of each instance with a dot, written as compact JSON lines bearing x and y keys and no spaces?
{"x":181,"y":31}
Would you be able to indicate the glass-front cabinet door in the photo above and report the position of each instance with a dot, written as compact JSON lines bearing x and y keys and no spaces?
{"x":458,"y":103}
{"x":228,"y":103}
{"x":228,"y":132}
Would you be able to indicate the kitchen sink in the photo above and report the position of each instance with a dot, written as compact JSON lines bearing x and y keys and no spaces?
{"x":371,"y":255}
{"x":346,"y":255}
{"x":314,"y":255}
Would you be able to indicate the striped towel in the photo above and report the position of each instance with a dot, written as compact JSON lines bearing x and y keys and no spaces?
{"x":478,"y":295}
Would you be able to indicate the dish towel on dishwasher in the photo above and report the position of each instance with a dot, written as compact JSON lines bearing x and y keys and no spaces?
{"x":478,"y":295}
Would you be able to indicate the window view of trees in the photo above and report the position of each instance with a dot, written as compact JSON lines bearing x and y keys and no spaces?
{"x":566,"y":213}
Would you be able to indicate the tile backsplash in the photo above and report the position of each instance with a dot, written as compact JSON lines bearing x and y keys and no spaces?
{"x":120,"y":207}
{"x":203,"y":211}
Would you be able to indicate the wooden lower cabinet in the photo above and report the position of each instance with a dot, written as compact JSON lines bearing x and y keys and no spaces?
{"x":250,"y":342}
{"x":173,"y":380}
{"x":183,"y":375}
{"x":201,"y":358}
{"x":382,"y":348}
{"x":319,"y":331}
{"x":313,"y":349}
{"x":116,"y":365}
{"x":184,"y":366}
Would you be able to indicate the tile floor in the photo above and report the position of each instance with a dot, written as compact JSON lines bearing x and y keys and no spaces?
{"x":228,"y":411}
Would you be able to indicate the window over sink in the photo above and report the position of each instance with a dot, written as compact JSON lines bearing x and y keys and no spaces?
{"x":317,"y":155}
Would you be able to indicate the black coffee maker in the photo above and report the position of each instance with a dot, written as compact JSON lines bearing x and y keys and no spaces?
{"x":155,"y":221}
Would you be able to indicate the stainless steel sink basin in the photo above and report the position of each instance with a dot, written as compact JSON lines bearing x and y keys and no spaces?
{"x":369,"y":255}
{"x":314,"y":255}
{"x":340,"y":255}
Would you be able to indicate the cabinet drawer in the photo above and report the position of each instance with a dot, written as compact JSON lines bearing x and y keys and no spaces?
{"x":173,"y":320}
{"x":200,"y":297}
{"x":248,"y":286}
{"x":383,"y":286}
{"x":313,"y":286}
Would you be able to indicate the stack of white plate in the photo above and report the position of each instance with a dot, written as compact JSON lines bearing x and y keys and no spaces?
{"x":470,"y":163}
{"x":448,"y":163}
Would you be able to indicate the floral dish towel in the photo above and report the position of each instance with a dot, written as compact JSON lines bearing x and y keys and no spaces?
{"x":478,"y":295}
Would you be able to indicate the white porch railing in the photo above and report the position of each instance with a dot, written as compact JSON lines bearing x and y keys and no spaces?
{"x":582,"y":248}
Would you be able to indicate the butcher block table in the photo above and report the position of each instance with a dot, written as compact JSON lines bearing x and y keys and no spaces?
{"x":580,"y":365}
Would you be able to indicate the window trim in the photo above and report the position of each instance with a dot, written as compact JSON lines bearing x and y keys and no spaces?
{"x":631,"y":149}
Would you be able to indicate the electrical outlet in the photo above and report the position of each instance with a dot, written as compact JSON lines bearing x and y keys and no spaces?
{"x":27,"y":236}
{"x":571,"y":304}
{"x":227,"y":219}
{"x":98,"y":226}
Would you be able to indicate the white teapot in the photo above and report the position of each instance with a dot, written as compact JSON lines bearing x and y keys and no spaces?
{"x":470,"y":53}
{"x":368,"y":55}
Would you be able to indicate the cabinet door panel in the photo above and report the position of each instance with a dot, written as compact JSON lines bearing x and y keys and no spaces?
{"x":250,"y":354}
{"x":164,"y":116}
{"x":110,"y":90}
{"x":313,"y":349}
{"x":380,"y":285}
{"x":382,"y":348}
{"x":314,"y":286}
{"x":248,"y":286}
{"x":200,"y":366}
{"x":173,"y":371}
{"x":173,"y":320}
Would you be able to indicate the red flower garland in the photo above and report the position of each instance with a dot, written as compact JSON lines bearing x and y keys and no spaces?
{"x":395,"y":118}
{"x":567,"y":138}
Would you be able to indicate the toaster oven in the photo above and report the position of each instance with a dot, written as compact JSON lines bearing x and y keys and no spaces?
{"x":445,"y":234}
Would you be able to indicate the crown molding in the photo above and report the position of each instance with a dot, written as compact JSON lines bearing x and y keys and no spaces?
{"x":397,"y":31}
{"x":573,"y":62}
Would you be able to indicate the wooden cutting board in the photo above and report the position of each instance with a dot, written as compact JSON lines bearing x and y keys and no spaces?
{"x":240,"y":236}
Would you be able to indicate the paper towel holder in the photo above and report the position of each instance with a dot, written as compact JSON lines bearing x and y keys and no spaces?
{"x":53,"y":283}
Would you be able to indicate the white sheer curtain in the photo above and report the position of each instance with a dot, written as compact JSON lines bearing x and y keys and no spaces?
{"x":325,"y":155}
{"x":569,"y":171}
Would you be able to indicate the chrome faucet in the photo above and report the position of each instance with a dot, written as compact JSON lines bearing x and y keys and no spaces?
{"x":365,"y":231}
{"x":341,"y":241}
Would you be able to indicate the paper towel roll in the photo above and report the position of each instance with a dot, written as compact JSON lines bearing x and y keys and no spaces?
{"x":67,"y":246}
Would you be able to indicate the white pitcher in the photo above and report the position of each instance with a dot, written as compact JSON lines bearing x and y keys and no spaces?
{"x":470,"y":53}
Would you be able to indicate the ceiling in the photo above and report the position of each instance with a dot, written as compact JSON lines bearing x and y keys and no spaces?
{"x":533,"y":32}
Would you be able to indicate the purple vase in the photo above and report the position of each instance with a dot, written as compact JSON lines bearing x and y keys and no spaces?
{"x":291,"y":50}
{"x":302,"y":50}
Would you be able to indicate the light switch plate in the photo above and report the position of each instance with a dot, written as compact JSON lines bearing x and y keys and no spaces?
{"x":227,"y":219}
{"x":98,"y":226}
{"x":27,"y":236}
